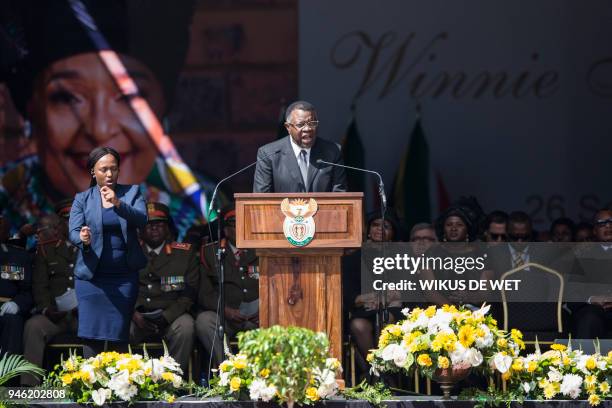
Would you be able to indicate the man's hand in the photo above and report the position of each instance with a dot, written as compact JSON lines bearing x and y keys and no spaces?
{"x":254,"y":318}
{"x":85,"y":235}
{"x":108,"y":195}
{"x":142,"y":323}
{"x":161,"y":323}
{"x":54,"y":315}
{"x":234,"y":315}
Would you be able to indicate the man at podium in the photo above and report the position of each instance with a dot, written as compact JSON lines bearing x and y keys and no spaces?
{"x":289,"y":165}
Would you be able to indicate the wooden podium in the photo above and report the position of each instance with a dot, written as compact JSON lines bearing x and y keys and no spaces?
{"x":301,"y":286}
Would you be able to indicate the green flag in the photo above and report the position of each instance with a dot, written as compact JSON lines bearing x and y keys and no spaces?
{"x":353,"y":153}
{"x":411,"y":191}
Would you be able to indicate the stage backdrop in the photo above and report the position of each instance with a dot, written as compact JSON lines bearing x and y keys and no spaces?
{"x":516,"y":96}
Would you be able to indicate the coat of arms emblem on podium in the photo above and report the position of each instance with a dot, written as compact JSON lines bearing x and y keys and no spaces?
{"x":299,"y":226}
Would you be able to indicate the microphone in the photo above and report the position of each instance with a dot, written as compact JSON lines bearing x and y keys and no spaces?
{"x":212,"y":200}
{"x":381,"y":185}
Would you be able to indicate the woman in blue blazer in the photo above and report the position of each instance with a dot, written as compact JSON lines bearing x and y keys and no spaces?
{"x":103,"y":225}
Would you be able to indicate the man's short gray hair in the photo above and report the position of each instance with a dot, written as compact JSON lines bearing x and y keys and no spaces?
{"x":419,"y":227}
{"x":299,"y":105}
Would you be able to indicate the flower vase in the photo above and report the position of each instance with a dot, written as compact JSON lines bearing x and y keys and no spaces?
{"x":448,"y":377}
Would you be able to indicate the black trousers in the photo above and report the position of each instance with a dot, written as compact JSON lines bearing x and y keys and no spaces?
{"x":11,"y":334}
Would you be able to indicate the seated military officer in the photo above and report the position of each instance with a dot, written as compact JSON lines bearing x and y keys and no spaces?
{"x":167,"y":288}
{"x":52,"y":289}
{"x":15,"y":291}
{"x":241,"y":291}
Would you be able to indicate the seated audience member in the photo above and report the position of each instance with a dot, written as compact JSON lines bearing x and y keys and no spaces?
{"x":456,"y":228}
{"x":562,"y":230}
{"x":52,"y":285}
{"x":167,"y":288}
{"x":594,"y":319}
{"x":15,"y":291}
{"x":495,"y":227}
{"x":364,"y":307}
{"x":584,"y":232}
{"x":241,"y":291}
{"x":422,"y":237}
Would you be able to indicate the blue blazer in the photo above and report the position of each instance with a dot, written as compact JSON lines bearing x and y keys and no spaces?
{"x":87,"y":210}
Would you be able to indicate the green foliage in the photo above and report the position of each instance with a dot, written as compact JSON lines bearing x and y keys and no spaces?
{"x":14,"y":365}
{"x":492,"y":397}
{"x":287,"y":352}
{"x":374,"y":394}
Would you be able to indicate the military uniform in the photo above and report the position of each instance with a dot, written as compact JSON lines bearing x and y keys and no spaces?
{"x":168,"y":283}
{"x":53,"y":276}
{"x":15,"y":288}
{"x":241,"y":285}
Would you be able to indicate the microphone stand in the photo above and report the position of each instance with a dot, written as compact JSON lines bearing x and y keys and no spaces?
{"x":382,"y":314}
{"x":220,"y":253}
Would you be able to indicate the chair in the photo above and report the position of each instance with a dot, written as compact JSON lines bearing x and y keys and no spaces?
{"x":535,"y":319}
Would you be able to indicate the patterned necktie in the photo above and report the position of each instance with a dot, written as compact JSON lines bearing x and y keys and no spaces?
{"x":303,"y":163}
{"x":519,"y":258}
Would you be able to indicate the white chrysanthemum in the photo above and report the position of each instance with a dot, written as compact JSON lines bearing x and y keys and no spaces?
{"x":571,"y":385}
{"x":100,"y":396}
{"x":554,"y":375}
{"x":440,"y":322}
{"x":406,"y":311}
{"x":111,"y":370}
{"x":120,"y":384}
{"x":459,"y":357}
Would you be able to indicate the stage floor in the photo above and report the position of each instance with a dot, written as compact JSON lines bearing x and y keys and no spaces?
{"x":400,"y":402}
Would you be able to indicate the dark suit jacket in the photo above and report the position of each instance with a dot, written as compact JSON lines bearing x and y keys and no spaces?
{"x":277,"y":169}
{"x":87,"y":210}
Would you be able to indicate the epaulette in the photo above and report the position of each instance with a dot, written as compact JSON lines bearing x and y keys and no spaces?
{"x":203,"y":253}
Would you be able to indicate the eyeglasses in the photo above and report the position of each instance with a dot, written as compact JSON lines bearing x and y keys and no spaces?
{"x":311,"y":124}
{"x":496,"y":237}
{"x":604,"y":222}
{"x":519,"y":238}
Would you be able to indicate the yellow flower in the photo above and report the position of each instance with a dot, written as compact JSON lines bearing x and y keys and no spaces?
{"x":148,"y":371}
{"x":170,"y":399}
{"x":604,"y":387}
{"x":370,"y":357}
{"x":84,"y":375}
{"x":235,"y":384}
{"x":383,"y":340}
{"x":69,"y":365}
{"x":131,"y":365}
{"x":566,"y":360}
{"x":590,"y":364}
{"x":430,"y":311}
{"x":558,"y":347}
{"x":225,"y":366}
{"x":394,"y":330}
{"x":550,"y":391}
{"x":168,"y":376}
{"x":594,"y":400}
{"x":590,"y":380}
{"x":443,"y":362}
{"x":436,"y":346}
{"x":466,"y":335}
{"x":502,"y":343}
{"x":240,"y":363}
{"x":517,"y":365}
{"x":516,"y":334}
{"x":449,"y":308}
{"x":67,"y":379}
{"x":591,"y":388}
{"x":424,"y":360}
{"x":532,"y":366}
{"x":264,"y":373}
{"x":506,"y":376}
{"x":311,"y":394}
{"x":543,"y":383}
